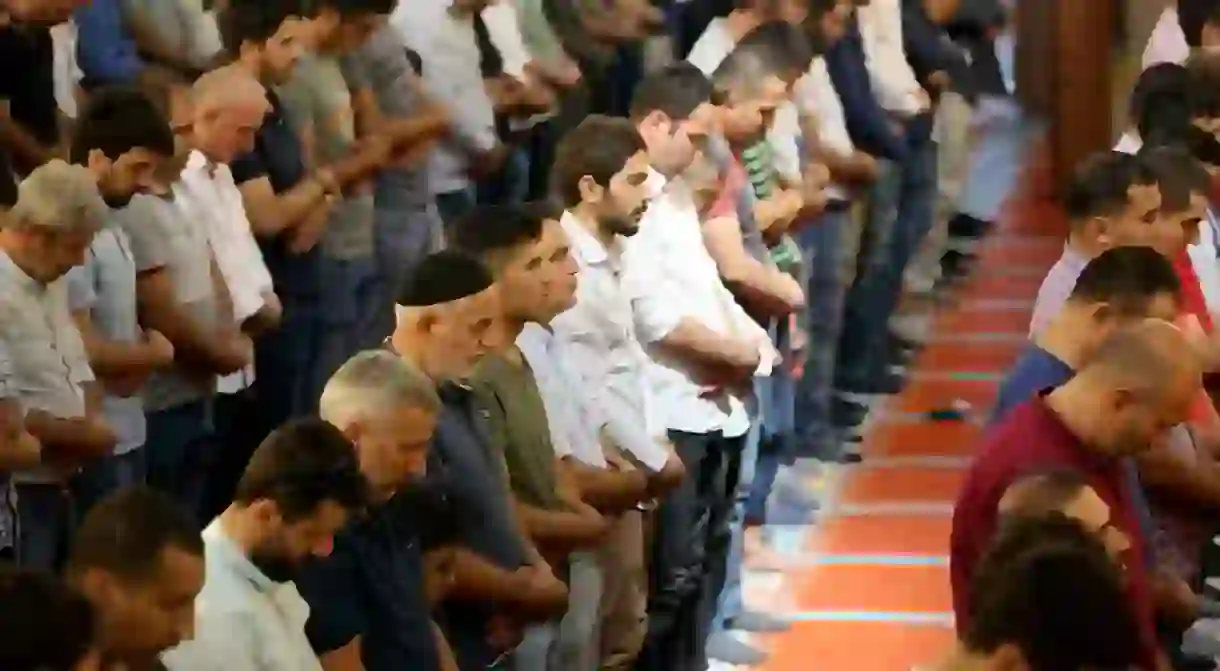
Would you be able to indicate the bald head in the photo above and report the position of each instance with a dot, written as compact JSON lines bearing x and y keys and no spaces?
{"x":228,"y":87}
{"x":1151,"y":354}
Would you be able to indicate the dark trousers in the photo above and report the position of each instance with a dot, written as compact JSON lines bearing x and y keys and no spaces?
{"x":691,"y":540}
{"x":179,"y":452}
{"x":240,"y":427}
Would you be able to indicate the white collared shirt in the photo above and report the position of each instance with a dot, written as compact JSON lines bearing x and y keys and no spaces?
{"x":597,"y":336}
{"x":214,"y":202}
{"x":815,"y":96}
{"x":574,"y":422}
{"x":1203,"y":257}
{"x":671,"y":276}
{"x":451,"y":74}
{"x":1167,"y":44}
{"x":244,"y":621}
{"x":893,"y":80}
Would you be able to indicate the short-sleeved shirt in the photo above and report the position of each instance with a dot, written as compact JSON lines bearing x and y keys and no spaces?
{"x":161,"y":238}
{"x":462,"y":464}
{"x":518,"y":424}
{"x":277,"y":156}
{"x":183,"y":25}
{"x":372,"y":586}
{"x":1033,"y":438}
{"x":318,"y":97}
{"x":49,"y":365}
{"x":388,"y":73}
{"x":105,"y":287}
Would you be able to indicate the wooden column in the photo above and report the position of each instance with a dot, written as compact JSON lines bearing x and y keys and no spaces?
{"x":1065,"y":73}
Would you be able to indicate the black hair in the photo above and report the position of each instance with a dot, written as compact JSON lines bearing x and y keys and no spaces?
{"x":1193,"y":15}
{"x":127,"y":532}
{"x":1178,"y":174}
{"x":302,"y":464}
{"x":776,"y":48}
{"x":1161,"y":105}
{"x":45,"y":625}
{"x":1041,"y":492}
{"x":118,"y":120}
{"x":242,"y":21}
{"x":490,"y":230}
{"x":1099,"y":185}
{"x":676,"y":90}
{"x":1047,"y":586}
{"x":444,"y":277}
{"x":599,"y":147}
{"x":1127,"y":279}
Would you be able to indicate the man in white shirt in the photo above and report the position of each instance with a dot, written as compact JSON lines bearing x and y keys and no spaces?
{"x":302,"y":486}
{"x":703,"y":350}
{"x":442,"y":32}
{"x":600,"y":174}
{"x":229,"y":106}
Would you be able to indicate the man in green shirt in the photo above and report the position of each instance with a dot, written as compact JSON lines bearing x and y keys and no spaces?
{"x":527,"y":252}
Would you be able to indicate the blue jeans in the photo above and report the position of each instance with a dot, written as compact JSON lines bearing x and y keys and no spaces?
{"x":403,"y":238}
{"x":46,"y":519}
{"x":347,"y":300}
{"x":730,"y":601}
{"x":825,"y":292}
{"x":512,"y":183}
{"x":901,"y":212}
{"x":453,"y":206}
{"x":98,"y":480}
{"x":180,"y":451}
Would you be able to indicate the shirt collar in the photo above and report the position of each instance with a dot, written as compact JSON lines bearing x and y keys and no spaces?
{"x":200,"y":163}
{"x":235,"y":559}
{"x":19,"y":276}
{"x":587,"y":248}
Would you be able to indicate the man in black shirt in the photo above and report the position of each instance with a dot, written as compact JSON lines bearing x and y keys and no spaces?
{"x":29,"y":115}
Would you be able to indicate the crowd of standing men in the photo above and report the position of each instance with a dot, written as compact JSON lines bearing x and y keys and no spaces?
{"x":468,"y":336}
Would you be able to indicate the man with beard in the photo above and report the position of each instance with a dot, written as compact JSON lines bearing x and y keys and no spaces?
{"x":1134,"y":388}
{"x":448,"y":319}
{"x":123,"y":140}
{"x":368,"y":607}
{"x":302,"y":486}
{"x":48,"y":232}
{"x":600,"y":173}
{"x":138,"y":558}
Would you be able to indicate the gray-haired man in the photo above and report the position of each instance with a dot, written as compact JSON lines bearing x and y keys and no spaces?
{"x":57,"y":215}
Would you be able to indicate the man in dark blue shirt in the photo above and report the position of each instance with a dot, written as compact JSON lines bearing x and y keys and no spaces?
{"x":286,"y":207}
{"x":448,"y":318}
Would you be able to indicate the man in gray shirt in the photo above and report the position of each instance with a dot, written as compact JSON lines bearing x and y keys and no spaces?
{"x":57,"y":214}
{"x":318,"y":100}
{"x":406,"y":221}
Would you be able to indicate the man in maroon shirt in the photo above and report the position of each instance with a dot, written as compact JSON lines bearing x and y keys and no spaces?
{"x":1138,"y":385}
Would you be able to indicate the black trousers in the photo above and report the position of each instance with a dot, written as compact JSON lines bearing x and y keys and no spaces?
{"x":690,"y":553}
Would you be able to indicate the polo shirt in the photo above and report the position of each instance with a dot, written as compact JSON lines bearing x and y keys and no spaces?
{"x":1033,"y":438}
{"x":105,"y":288}
{"x":372,"y":586}
{"x":277,"y":155}
{"x":519,"y":428}
{"x":462,"y":464}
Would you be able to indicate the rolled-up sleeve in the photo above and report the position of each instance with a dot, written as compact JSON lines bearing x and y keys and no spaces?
{"x":105,"y":52}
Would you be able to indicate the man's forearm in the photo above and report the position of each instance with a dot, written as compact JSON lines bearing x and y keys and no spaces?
{"x":699,"y":344}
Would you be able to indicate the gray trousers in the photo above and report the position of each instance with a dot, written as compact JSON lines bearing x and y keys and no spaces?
{"x":572,"y":643}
